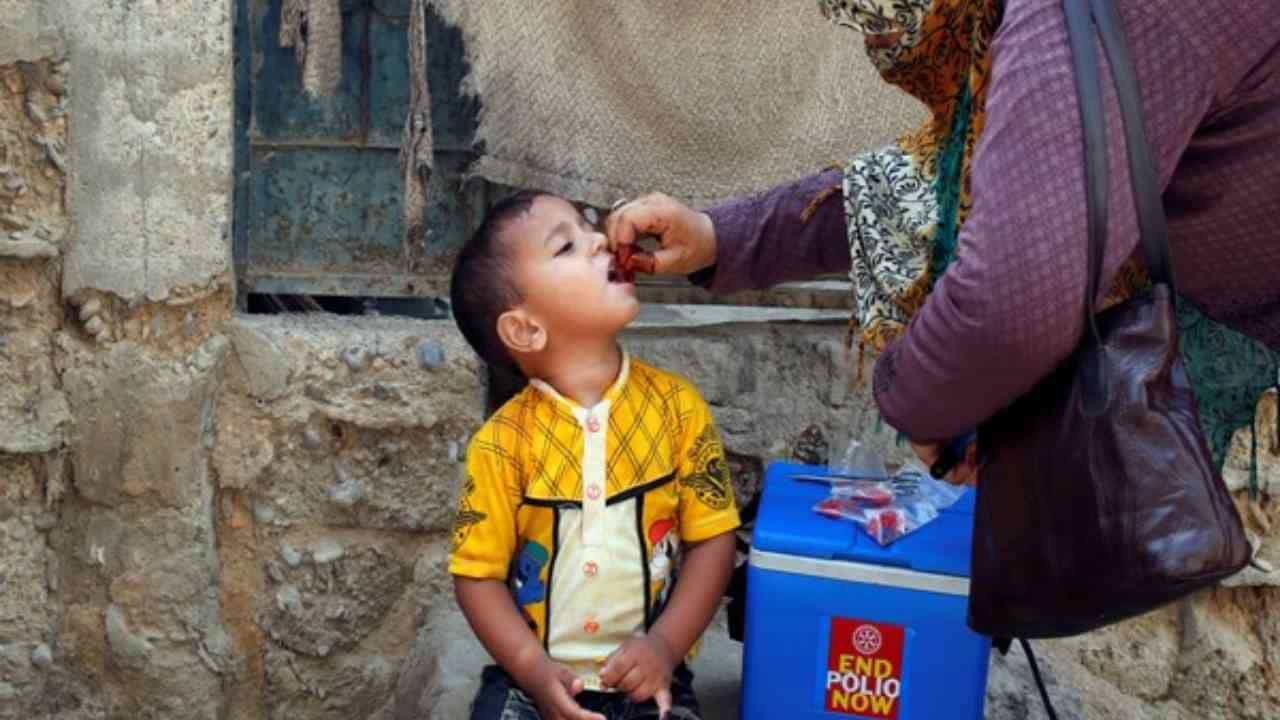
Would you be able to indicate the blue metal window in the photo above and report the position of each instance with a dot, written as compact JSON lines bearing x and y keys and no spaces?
{"x":318,"y":187}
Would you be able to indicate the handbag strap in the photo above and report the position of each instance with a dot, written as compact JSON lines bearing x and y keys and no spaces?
{"x":1152,"y":224}
{"x":1035,"y":673}
{"x":1089,"y":92}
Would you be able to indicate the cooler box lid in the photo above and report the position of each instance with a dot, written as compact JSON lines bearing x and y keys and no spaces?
{"x":787,"y":524}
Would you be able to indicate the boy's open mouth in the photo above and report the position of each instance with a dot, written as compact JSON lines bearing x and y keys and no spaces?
{"x":617,"y":275}
{"x":618,"y":270}
{"x":627,"y":261}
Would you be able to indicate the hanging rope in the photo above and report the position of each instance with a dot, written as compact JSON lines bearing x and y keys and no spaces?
{"x":313,"y":28}
{"x":417,"y":147}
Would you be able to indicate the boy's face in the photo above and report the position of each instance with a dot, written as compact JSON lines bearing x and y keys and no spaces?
{"x":565,"y":272}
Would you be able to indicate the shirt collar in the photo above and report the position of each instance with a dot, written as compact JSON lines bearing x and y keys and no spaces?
{"x":577,"y":410}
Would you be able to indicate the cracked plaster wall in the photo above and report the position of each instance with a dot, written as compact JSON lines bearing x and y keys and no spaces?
{"x":212,"y":516}
{"x":152,"y":155}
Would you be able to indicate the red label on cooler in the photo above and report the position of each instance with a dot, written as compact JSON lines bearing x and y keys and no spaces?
{"x":864,"y":668}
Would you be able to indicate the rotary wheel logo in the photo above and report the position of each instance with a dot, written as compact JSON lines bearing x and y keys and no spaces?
{"x":866,"y":640}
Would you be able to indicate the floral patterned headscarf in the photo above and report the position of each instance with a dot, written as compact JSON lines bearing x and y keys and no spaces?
{"x":905,"y":203}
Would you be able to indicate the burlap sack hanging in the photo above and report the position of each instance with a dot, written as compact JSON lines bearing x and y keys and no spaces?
{"x":602,"y":100}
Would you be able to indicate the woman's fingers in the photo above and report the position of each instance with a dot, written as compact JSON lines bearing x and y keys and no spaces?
{"x":926,"y":452}
{"x":686,"y":237}
{"x":646,"y":215}
{"x":667,"y":260}
{"x":966,"y":473}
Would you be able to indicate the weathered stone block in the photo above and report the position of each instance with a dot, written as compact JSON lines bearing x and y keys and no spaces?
{"x":24,"y":591}
{"x":243,"y":448}
{"x":21,"y":681}
{"x":333,"y":601}
{"x":1223,"y":670}
{"x":34,"y":415}
{"x":351,"y":686}
{"x":417,"y":688}
{"x":1137,"y":656}
{"x":142,"y":422}
{"x":153,"y":151}
{"x":432,"y":583}
{"x":27,"y":33}
{"x":392,"y":479}
{"x":66,"y":696}
{"x":171,"y":593}
{"x":129,"y":648}
{"x":374,"y":447}
{"x":82,"y":639}
{"x":266,"y":369}
{"x":1012,"y":694}
{"x":1236,"y":471}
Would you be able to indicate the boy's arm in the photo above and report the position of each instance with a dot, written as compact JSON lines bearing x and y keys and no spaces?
{"x":704,"y":576}
{"x":492,"y":614}
{"x":485,"y":539}
{"x":642,"y":666}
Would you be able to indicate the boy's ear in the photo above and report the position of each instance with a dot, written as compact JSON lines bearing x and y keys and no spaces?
{"x":521,"y":332}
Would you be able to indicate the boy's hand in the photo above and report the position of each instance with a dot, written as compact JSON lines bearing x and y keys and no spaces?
{"x":641,"y":668}
{"x":552,"y":688}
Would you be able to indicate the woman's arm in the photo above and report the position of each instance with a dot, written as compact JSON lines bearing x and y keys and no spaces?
{"x":1011,"y":306}
{"x":766,"y":239}
{"x":792,"y":232}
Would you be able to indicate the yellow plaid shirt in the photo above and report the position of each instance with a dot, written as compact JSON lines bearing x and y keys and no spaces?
{"x":583,"y":510}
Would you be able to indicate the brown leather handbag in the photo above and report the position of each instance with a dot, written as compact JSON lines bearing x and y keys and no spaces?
{"x":1098,"y":498}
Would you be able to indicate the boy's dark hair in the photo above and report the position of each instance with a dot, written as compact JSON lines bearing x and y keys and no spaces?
{"x":482,"y":288}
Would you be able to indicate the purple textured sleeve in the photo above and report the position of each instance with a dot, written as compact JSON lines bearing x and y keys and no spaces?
{"x":765,"y":240}
{"x":1011,"y":306}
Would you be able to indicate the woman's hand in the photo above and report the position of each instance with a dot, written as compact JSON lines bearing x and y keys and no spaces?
{"x":965,"y":471}
{"x":686,"y":238}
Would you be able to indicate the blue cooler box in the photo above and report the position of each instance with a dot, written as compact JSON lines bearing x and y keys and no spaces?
{"x":838,"y":626}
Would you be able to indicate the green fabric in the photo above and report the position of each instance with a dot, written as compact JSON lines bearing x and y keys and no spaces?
{"x":947,"y":187}
{"x":1229,"y":372}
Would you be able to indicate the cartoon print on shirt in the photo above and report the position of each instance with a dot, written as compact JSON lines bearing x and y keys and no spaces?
{"x":527,"y":581}
{"x":666,"y":546}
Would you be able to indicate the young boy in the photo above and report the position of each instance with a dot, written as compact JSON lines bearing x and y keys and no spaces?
{"x":587,"y":491}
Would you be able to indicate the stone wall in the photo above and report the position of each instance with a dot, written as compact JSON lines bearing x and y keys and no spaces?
{"x":209,"y":515}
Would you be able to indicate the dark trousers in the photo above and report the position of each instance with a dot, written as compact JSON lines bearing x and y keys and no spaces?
{"x":500,"y":699}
